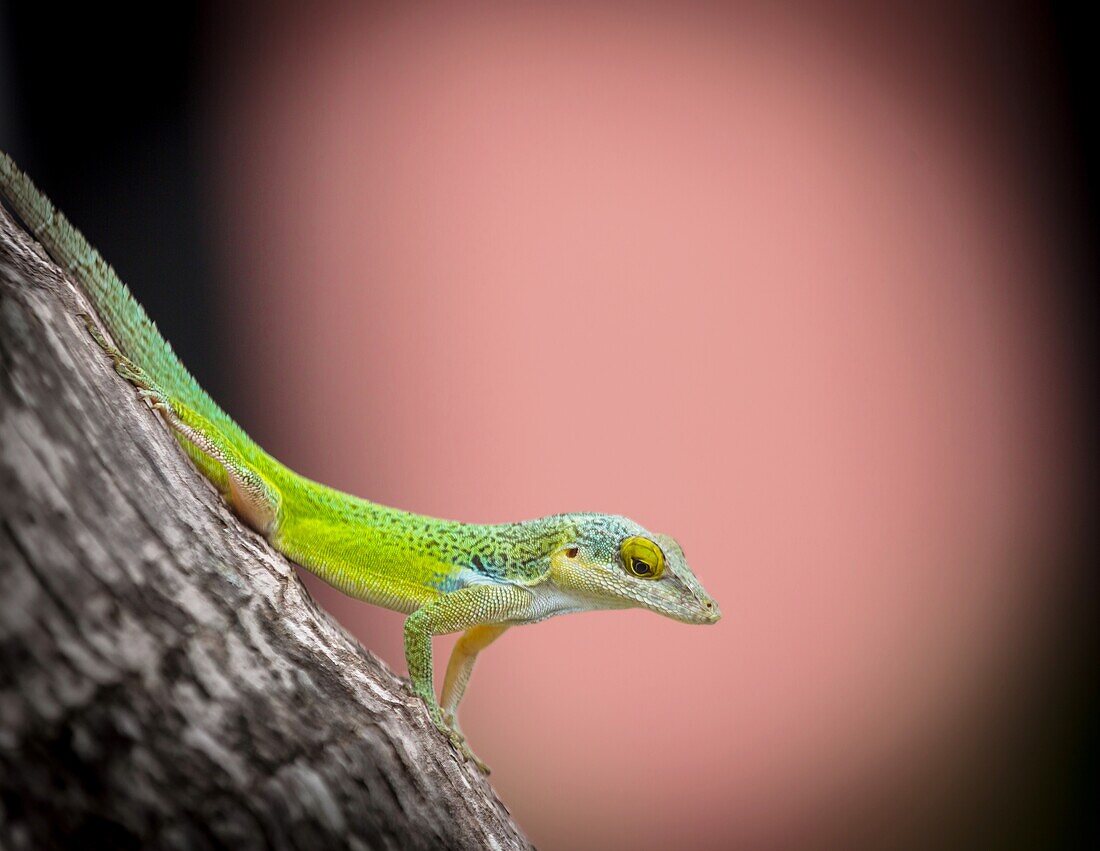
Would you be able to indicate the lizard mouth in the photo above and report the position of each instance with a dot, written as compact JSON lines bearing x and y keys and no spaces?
{"x":694,"y":609}
{"x":707,"y":613}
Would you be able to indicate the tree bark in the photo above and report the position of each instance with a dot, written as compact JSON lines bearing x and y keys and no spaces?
{"x":165,"y":679}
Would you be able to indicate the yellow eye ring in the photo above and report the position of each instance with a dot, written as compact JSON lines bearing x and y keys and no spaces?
{"x":642,"y":558}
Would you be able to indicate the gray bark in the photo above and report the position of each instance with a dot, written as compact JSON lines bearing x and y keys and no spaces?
{"x":165,"y":679}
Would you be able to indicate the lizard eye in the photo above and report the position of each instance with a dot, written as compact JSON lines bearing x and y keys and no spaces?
{"x":642,"y":558}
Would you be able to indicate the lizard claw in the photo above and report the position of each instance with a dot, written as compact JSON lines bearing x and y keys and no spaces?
{"x":458,"y":739}
{"x":448,"y":727}
{"x":464,"y":750}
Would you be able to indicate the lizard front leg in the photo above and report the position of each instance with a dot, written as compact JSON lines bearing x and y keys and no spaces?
{"x":461,"y":665}
{"x":486,"y":606}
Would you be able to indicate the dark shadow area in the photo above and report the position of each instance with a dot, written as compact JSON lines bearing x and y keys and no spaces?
{"x":103,"y":110}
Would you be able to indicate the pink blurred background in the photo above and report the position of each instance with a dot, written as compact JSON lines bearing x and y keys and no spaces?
{"x":770,"y":280}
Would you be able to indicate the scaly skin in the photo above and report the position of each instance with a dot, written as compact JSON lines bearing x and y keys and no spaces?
{"x":445,"y":575}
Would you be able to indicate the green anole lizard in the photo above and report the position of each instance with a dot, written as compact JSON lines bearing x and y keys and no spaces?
{"x":445,"y":575}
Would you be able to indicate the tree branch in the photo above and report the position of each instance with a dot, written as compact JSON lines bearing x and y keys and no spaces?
{"x":165,"y":679}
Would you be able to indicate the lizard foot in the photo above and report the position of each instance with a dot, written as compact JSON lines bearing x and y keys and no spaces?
{"x":467,"y":753}
{"x":447,"y":726}
{"x":458,"y":741}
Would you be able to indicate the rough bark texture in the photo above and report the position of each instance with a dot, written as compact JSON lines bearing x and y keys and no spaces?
{"x":165,"y":679}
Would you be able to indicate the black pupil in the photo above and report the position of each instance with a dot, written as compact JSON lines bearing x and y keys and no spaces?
{"x":639,"y":566}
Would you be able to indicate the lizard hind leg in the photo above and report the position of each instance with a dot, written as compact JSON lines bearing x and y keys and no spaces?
{"x":252,"y":498}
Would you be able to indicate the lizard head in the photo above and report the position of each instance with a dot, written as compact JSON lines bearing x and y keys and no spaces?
{"x":611,"y":562}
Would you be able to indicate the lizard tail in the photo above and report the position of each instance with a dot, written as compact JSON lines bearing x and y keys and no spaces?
{"x":126,"y":320}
